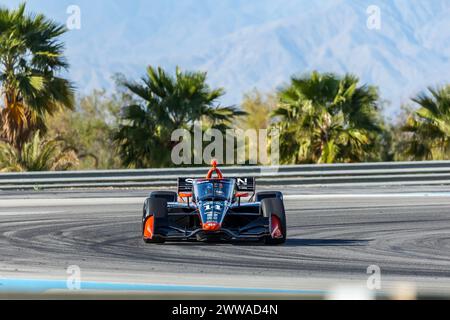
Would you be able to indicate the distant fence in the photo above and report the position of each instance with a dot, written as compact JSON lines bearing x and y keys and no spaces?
{"x":383,"y":173}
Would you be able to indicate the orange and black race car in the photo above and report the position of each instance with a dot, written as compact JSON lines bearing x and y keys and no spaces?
{"x":210,"y":209}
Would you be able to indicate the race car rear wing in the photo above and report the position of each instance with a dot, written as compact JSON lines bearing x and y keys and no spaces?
{"x":243,"y":184}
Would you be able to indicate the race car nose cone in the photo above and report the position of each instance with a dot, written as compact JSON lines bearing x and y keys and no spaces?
{"x":211,"y":226}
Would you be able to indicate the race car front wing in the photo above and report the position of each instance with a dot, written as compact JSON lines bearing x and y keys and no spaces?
{"x":255,"y":230}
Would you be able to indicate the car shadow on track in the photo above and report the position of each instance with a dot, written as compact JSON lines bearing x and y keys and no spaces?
{"x":326,"y":242}
{"x":289,"y":243}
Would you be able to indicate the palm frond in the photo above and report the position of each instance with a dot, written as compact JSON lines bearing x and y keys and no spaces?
{"x":166,"y":103}
{"x":328,"y":118}
{"x":32,"y":56}
{"x":36,"y":155}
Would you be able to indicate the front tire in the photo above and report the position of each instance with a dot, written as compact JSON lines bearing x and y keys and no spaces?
{"x":155,"y":217}
{"x":273,"y":210}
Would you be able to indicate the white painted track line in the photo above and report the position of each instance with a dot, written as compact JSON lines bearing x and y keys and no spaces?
{"x":13,"y":203}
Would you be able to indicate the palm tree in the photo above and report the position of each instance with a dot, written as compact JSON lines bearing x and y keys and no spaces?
{"x":427,"y":131}
{"x":30,"y":58}
{"x":323,"y":118}
{"x":164,"y":104}
{"x":36,"y":155}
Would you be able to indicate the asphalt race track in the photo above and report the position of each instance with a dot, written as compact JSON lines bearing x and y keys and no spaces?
{"x":332,"y":239}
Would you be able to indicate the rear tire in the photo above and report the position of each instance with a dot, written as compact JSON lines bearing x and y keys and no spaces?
{"x":156,"y":209}
{"x":273,"y":208}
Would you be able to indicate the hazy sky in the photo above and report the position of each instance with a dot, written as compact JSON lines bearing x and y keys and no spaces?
{"x":244,"y":44}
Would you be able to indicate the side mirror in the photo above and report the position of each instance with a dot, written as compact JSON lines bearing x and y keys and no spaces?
{"x":241,"y":194}
{"x":185,"y":195}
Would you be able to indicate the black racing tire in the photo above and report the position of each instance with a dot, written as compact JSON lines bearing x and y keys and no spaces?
{"x":274,"y":207}
{"x":157,"y":208}
{"x":268,"y":195}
